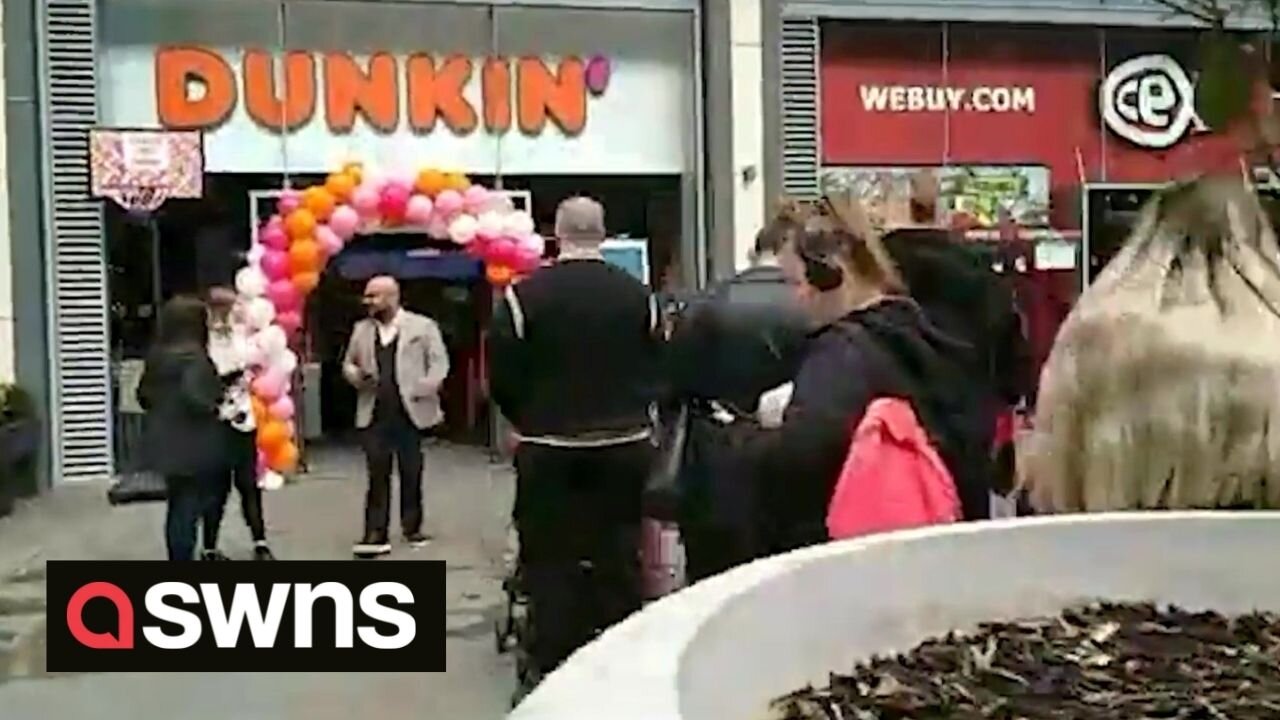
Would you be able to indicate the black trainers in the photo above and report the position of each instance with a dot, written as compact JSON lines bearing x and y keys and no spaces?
{"x":213,"y":556}
{"x":262,"y":552}
{"x":371,"y":548}
{"x":417,"y":539}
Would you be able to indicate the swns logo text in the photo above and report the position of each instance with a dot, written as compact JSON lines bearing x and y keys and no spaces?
{"x":212,"y":617}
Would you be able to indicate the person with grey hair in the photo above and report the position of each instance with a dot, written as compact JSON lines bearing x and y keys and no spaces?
{"x":575,"y":368}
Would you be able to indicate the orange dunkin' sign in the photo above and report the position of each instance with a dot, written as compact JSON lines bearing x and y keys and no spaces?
{"x":196,"y":89}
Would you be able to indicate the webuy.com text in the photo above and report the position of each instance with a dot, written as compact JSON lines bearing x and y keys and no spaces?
{"x":932,"y":98}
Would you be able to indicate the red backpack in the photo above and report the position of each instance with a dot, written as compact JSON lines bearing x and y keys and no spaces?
{"x":893,"y":478}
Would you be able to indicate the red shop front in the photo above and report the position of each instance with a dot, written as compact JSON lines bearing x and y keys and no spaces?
{"x":1018,"y":121}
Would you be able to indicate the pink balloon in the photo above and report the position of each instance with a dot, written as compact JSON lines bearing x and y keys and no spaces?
{"x":344,"y":221}
{"x":270,"y":385}
{"x":449,"y":203}
{"x":419,"y":210}
{"x":478,"y":248}
{"x":526,"y":259}
{"x":290,"y":321}
{"x":328,"y":240}
{"x":438,"y":227}
{"x":288,"y":202}
{"x":401,"y":186}
{"x":274,"y":237}
{"x":283,"y":408}
{"x":262,"y":463}
{"x":275,"y":265}
{"x":365,"y":200}
{"x":284,"y":296}
{"x":503,"y":252}
{"x":394,"y":202}
{"x":475,"y":199}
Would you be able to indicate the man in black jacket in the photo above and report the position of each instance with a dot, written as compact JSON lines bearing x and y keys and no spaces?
{"x":574,"y":367}
{"x":743,"y":339}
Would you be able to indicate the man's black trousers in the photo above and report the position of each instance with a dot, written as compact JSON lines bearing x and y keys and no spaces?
{"x":392,"y":438}
{"x":578,"y":515}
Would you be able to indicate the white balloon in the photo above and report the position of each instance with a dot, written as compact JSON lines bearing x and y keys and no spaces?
{"x":251,"y":283}
{"x":254,"y":256}
{"x":287,"y":362}
{"x":463,"y":229}
{"x":489,"y":225}
{"x":271,"y":480}
{"x":518,"y":224}
{"x":273,"y":342}
{"x":535,"y":242}
{"x":253,"y":353}
{"x":259,"y":313}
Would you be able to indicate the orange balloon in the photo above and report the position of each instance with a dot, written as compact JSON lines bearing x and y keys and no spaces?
{"x":306,"y":282}
{"x":340,"y":185}
{"x":272,"y":435}
{"x":499,"y":274}
{"x":431,"y":182}
{"x":284,"y":459}
{"x":300,"y":223}
{"x":457,"y":181}
{"x":259,"y":409}
{"x":304,"y":257}
{"x":355,"y":170}
{"x":319,"y":201}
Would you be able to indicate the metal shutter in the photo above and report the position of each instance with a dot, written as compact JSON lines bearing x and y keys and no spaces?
{"x":800,"y":143}
{"x":76,"y":249}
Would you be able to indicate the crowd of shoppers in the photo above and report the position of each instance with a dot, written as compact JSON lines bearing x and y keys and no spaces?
{"x":1156,"y":395}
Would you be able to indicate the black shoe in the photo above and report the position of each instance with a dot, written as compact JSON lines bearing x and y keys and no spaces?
{"x":262,"y":552}
{"x":371,"y":548}
{"x":214,"y":556}
{"x":417,"y":539}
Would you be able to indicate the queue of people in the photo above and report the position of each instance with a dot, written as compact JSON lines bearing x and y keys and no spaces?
{"x":845,"y":364}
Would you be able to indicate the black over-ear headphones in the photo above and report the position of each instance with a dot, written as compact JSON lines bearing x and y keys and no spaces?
{"x":820,"y":271}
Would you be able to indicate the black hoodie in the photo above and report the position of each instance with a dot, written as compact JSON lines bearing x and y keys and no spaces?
{"x":886,"y":350}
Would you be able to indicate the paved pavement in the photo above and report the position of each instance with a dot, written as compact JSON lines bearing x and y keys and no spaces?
{"x":468,"y":503}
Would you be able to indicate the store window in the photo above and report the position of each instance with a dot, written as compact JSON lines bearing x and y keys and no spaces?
{"x":545,"y":101}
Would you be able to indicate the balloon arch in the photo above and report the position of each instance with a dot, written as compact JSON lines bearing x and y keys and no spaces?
{"x":310,"y":227}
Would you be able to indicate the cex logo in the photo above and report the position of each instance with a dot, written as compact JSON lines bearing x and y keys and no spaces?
{"x":1150,"y":101}
{"x":307,"y":616}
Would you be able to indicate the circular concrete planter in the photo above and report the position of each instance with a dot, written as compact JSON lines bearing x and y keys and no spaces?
{"x":722,"y":649}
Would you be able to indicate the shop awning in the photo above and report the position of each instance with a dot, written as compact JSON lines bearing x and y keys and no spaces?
{"x":407,"y":265}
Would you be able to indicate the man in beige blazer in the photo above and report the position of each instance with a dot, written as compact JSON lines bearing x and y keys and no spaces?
{"x":397,"y":361}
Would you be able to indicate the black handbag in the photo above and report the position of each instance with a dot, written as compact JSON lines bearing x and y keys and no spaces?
{"x":137,"y":487}
{"x":662,"y":490}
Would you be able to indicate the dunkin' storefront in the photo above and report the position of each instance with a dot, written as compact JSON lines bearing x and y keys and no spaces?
{"x":541,"y":100}
{"x":1044,"y":137}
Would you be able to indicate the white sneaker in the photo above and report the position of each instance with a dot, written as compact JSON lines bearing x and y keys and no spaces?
{"x":371,"y":549}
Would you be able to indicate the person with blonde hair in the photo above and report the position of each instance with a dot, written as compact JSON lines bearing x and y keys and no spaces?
{"x":1161,"y":388}
{"x":869,"y":341}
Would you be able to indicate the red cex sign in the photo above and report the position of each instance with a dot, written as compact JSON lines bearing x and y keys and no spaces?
{"x":1018,"y":95}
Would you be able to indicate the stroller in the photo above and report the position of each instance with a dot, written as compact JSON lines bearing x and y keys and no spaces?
{"x":513,"y":633}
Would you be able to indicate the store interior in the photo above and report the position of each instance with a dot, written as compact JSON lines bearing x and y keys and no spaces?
{"x":189,"y":245}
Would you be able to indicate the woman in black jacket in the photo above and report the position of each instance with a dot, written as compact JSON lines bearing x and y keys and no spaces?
{"x":180,"y":391}
{"x":870,"y":341}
